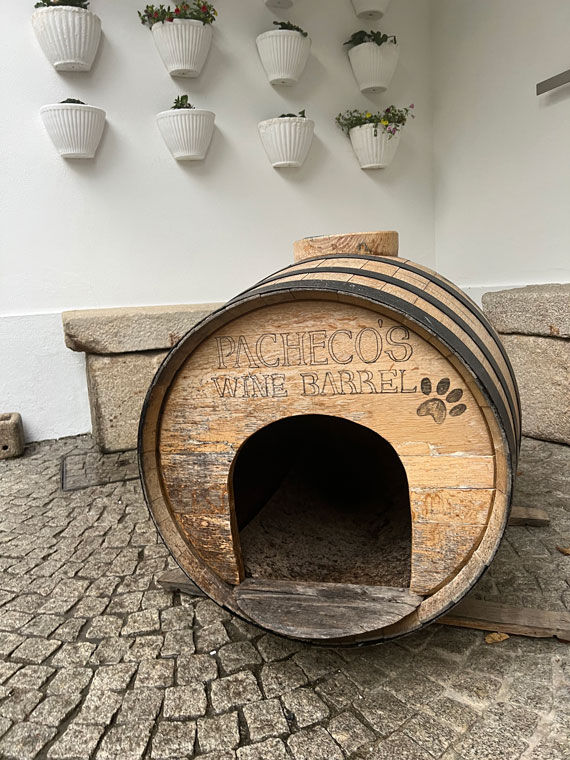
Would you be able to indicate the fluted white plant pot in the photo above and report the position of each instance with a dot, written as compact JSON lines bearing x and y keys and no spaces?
{"x":68,"y":36}
{"x":287,"y":140}
{"x":370,"y":8}
{"x":284,"y":54}
{"x":187,"y":132}
{"x":183,"y":45}
{"x":278,"y":3}
{"x":374,"y":65}
{"x":373,"y":151}
{"x":75,"y":129}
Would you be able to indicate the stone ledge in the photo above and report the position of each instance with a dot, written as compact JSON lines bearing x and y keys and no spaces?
{"x":131,"y":329}
{"x":532,"y":310}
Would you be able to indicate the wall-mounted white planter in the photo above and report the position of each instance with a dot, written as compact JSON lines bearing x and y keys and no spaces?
{"x":187,"y":132}
{"x":278,"y":3}
{"x":373,"y":152}
{"x":374,"y":65}
{"x":284,"y":54}
{"x":183,"y":45}
{"x":287,"y":140}
{"x":68,"y":36}
{"x":370,"y":8}
{"x":75,"y":129}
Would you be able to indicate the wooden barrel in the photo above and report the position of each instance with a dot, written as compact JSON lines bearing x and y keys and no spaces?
{"x":331,"y":454}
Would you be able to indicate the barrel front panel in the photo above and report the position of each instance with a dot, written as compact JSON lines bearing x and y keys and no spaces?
{"x":329,"y":358}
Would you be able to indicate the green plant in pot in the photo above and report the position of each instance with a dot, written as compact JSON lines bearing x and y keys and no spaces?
{"x":373,"y":56}
{"x":68,"y":33}
{"x":375,"y":136}
{"x":287,"y":139}
{"x":186,"y":130}
{"x":284,"y":52}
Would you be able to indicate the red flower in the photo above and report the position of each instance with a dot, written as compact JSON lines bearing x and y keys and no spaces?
{"x":177,"y":10}
{"x":204,"y":8}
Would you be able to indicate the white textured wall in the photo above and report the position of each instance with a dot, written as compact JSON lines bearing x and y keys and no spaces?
{"x":502,"y":154}
{"x":133,"y":227}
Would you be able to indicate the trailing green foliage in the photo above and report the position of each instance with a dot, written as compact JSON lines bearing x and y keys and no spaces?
{"x":196,"y":10}
{"x":302,"y":114}
{"x":390,"y":121}
{"x":288,"y":26}
{"x":359,"y":38}
{"x":74,"y":100}
{"x":181,"y":102}
{"x":59,"y":3}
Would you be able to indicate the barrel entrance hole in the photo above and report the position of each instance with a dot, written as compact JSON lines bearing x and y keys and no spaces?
{"x":322,"y":499}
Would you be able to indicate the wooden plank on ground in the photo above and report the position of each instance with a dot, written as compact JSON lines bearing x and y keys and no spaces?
{"x":531,"y":516}
{"x":176,"y":580}
{"x":323,"y":610}
{"x":521,"y":621}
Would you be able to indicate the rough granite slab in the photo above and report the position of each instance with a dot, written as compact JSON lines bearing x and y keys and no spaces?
{"x":117,"y":388}
{"x":542,"y":369}
{"x":132,"y":328}
{"x":532,"y":310}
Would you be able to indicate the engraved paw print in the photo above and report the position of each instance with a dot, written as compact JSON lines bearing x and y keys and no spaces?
{"x":437,"y":407}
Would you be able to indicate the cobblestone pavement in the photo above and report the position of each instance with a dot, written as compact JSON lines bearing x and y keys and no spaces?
{"x":99,"y":662}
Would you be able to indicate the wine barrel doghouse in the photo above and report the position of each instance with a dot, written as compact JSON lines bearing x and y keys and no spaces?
{"x":331,"y":454}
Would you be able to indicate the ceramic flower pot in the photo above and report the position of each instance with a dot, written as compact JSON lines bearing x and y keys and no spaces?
{"x":187,"y":132}
{"x":75,"y":129}
{"x":374,"y":65}
{"x":183,"y":45}
{"x":284,"y":54}
{"x":370,"y":8}
{"x":68,"y":36}
{"x":373,"y":151}
{"x":287,"y":140}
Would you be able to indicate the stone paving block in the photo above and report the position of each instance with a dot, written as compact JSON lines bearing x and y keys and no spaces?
{"x":337,"y":691}
{"x":69,"y":631}
{"x":176,"y":619}
{"x":238,"y":655}
{"x":127,"y":742}
{"x":234,"y":691}
{"x":196,"y":667}
{"x":30,"y":677}
{"x":221,"y":733}
{"x":144,"y":648}
{"x":99,"y":708}
{"x":4,"y":725}
{"x":113,"y":677}
{"x":305,"y":707}
{"x":140,"y":705}
{"x":183,"y":702}
{"x":20,"y":704}
{"x":272,"y":749}
{"x":104,"y":626}
{"x":178,"y":643}
{"x":314,"y":744}
{"x":265,"y":719}
{"x":208,"y":612}
{"x":141,"y":622}
{"x":430,"y":734}
{"x":35,"y":650}
{"x":111,"y":651}
{"x":7,"y":669}
{"x":173,"y":740}
{"x":70,"y":681}
{"x":280,"y":677}
{"x":458,"y":715}
{"x":349,"y":732}
{"x":54,"y":710}
{"x":78,"y":741}
{"x":489,"y":742}
{"x":9,"y":642}
{"x":397,"y":747}
{"x":71,"y":655}
{"x":155,"y":673}
{"x":383,"y":711}
{"x":211,"y":637}
{"x":277,"y":648}
{"x":24,"y":741}
{"x":318,"y":662}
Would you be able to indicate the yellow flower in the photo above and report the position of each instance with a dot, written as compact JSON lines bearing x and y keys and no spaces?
{"x":368,"y":115}
{"x":384,"y":122}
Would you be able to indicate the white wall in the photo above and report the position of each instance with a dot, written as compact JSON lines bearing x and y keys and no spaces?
{"x":502,"y":154}
{"x":133,"y":227}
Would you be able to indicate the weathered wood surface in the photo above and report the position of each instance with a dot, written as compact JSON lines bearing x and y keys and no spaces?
{"x":323,"y":611}
{"x":177,"y":580}
{"x":522,"y":621}
{"x":381,"y":243}
{"x":531,"y":516}
{"x":380,"y":342}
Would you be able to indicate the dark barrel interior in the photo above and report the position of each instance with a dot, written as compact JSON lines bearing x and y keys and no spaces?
{"x":322,"y":499}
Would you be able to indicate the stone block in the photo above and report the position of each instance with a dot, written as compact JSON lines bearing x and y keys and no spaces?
{"x":532,"y":310}
{"x":11,"y":436}
{"x":131,"y":329}
{"x":541,"y":367}
{"x":117,"y":388}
